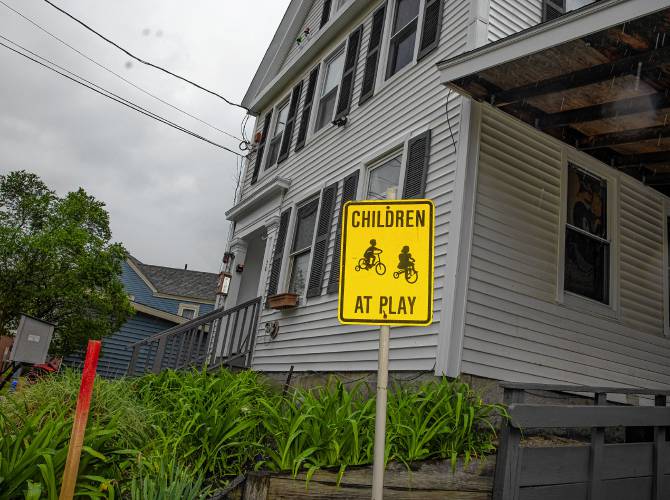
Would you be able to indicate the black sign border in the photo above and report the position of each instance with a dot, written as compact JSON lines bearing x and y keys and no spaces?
{"x":343,"y":255}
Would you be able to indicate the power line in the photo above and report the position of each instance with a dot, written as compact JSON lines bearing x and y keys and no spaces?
{"x":112,"y":96}
{"x":116,"y":74}
{"x":128,"y":53}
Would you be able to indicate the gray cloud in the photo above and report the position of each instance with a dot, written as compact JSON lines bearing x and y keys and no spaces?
{"x":166,"y":192}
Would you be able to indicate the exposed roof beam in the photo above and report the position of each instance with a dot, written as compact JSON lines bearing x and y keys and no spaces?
{"x":624,"y":137}
{"x":612,"y":109}
{"x":588,"y":76}
{"x":645,"y":159}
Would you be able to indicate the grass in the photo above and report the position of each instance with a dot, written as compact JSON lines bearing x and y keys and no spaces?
{"x":181,"y":435}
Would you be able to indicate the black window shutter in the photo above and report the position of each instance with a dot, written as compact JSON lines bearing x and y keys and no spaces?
{"x":322,"y":240}
{"x":432,"y":25}
{"x":551,"y":9}
{"x":416,"y":169}
{"x":307,"y":109}
{"x":349,"y":188}
{"x":348,"y":74}
{"x":290,"y":123}
{"x":261,"y":147}
{"x":372,"y":58}
{"x":325,"y":13}
{"x":278,"y":253}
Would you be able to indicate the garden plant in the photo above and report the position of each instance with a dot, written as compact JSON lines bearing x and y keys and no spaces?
{"x":187,"y":434}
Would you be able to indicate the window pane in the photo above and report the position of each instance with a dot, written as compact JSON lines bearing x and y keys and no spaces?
{"x":587,"y":202}
{"x":326,"y":108}
{"x":274,"y":151}
{"x":187,"y":313}
{"x":586,"y":266}
{"x":382,"y":178}
{"x":406,"y":11}
{"x":576,"y":4}
{"x":299,"y":270}
{"x":333,"y":73}
{"x":304,"y":229}
{"x":402,"y":51}
{"x":282,"y":116}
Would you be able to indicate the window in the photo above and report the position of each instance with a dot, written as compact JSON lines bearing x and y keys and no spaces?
{"x":551,"y":9}
{"x":188,"y":311}
{"x":280,"y":125}
{"x":384,"y":176}
{"x":403,"y":35}
{"x":301,"y":249}
{"x":587,"y":243}
{"x":329,"y":87}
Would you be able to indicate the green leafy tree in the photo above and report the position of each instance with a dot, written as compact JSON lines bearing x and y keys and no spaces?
{"x":57,"y":262}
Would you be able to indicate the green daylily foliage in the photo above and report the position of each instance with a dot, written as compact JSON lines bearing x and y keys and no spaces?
{"x":184,"y":435}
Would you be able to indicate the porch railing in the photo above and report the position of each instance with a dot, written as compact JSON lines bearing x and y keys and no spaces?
{"x":223,"y":337}
{"x":636,"y":469}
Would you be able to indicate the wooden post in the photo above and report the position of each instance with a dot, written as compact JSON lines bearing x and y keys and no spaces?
{"x":596,"y":457}
{"x":505,"y":483}
{"x":380,"y":416}
{"x":659,"y":452}
{"x":80,"y":419}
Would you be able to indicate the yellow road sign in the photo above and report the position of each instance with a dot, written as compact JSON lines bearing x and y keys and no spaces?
{"x":386,"y":276}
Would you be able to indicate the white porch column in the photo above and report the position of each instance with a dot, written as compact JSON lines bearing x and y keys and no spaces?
{"x":238,"y":247}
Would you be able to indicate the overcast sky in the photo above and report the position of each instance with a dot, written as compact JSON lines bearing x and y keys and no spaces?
{"x":165,"y":191}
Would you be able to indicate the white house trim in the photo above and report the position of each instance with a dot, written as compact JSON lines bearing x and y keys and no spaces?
{"x":450,"y":340}
{"x":268,"y":190}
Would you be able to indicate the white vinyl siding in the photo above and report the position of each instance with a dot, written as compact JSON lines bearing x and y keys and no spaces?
{"x":514,"y":327}
{"x":507,"y":17}
{"x":310,"y":336}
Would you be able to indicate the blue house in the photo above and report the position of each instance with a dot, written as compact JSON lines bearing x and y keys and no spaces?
{"x":162,"y":298}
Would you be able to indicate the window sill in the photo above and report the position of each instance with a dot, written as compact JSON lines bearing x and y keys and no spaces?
{"x":585,"y":305}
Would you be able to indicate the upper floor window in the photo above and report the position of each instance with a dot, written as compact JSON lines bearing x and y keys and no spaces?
{"x":587,"y":242}
{"x":188,"y":311}
{"x":280,"y":124}
{"x":383,"y":177}
{"x":551,"y":9}
{"x":403,"y":35}
{"x":329,"y":87}
{"x":301,"y":250}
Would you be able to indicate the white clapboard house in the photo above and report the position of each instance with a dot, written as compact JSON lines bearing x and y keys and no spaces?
{"x":540,"y":130}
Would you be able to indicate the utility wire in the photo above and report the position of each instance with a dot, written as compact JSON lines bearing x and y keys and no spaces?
{"x":113,"y":97}
{"x":100,"y":65}
{"x":128,"y":53}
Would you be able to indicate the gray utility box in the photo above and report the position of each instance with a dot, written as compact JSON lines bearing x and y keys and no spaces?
{"x":32,"y":341}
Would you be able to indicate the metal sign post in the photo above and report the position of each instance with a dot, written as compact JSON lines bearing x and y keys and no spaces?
{"x":386,"y":278}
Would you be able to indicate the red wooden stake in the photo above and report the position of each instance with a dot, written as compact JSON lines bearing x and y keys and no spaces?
{"x":80,"y":419}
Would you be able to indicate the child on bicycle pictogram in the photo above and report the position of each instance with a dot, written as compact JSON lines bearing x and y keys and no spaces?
{"x":371,"y":253}
{"x":371,"y":259}
{"x":406,"y":265}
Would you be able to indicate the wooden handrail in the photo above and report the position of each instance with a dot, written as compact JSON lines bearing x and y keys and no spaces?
{"x":585,"y":388}
{"x":202,"y":342}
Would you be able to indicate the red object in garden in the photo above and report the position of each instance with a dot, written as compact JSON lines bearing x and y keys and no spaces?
{"x":80,"y":419}
{"x":39,"y":371}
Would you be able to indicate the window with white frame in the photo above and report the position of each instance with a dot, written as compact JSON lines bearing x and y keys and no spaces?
{"x":402,"y":44}
{"x":278,"y":131}
{"x":301,"y":248}
{"x":332,"y":74}
{"x":188,"y":311}
{"x":587,"y":242}
{"x":384,"y":176}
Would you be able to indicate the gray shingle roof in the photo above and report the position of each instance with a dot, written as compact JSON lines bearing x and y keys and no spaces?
{"x":191,"y":284}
